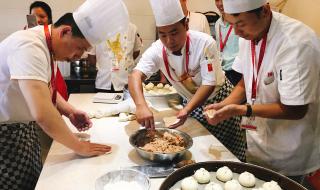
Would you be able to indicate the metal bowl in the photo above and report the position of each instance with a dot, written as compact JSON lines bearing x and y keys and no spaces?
{"x":236,"y":167}
{"x":132,"y":178}
{"x":137,"y":137}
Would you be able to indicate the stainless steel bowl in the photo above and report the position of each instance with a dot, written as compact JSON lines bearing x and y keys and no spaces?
{"x":137,"y":137}
{"x":127,"y":176}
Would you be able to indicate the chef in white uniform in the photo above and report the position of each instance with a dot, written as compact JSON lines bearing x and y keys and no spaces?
{"x":190,"y":62}
{"x":279,"y":58}
{"x":115,"y":59}
{"x":28,"y":92}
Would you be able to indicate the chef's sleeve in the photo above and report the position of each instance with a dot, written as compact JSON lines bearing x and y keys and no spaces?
{"x":297,"y":73}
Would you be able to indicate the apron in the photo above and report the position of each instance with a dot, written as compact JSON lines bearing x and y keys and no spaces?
{"x":20,"y":160}
{"x":227,"y":132}
{"x":20,"y":157}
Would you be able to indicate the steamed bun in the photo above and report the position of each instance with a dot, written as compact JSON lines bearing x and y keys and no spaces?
{"x":224,"y":174}
{"x":247,"y":179}
{"x":213,"y":186}
{"x":202,"y":176}
{"x":189,"y":183}
{"x":272,"y":185}
{"x":232,"y":185}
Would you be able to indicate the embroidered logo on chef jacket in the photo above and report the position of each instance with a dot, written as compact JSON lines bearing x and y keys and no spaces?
{"x":269,"y":78}
{"x":118,"y":50}
{"x":209,"y":56}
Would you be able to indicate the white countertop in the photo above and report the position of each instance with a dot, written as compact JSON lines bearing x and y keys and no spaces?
{"x":63,"y":169}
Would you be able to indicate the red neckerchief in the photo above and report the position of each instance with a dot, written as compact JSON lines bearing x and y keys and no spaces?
{"x":253,"y":55}
{"x":224,"y":42}
{"x":166,"y":62}
{"x":53,"y":78}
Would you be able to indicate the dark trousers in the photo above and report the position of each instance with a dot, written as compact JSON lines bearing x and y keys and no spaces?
{"x":233,"y":76}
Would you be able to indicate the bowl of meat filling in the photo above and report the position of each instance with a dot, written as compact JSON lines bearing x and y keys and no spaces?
{"x":161,"y":144}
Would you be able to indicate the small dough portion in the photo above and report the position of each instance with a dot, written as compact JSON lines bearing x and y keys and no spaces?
{"x":189,"y":183}
{"x":272,"y":185}
{"x":210,"y":113}
{"x":224,"y":174}
{"x":213,"y":186}
{"x":247,"y":179}
{"x":232,"y":185}
{"x":202,"y":176}
{"x":149,"y":86}
{"x":160,"y":85}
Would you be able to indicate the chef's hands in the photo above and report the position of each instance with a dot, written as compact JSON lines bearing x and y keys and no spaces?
{"x":182,"y":116}
{"x":145,"y":117}
{"x":80,"y":120}
{"x":223,"y":112}
{"x":88,"y":149}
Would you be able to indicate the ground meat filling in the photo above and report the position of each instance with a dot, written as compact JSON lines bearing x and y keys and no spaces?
{"x":164,"y":143}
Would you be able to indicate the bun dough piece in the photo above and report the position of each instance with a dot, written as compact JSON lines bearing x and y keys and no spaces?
{"x":189,"y":183}
{"x":160,"y":85}
{"x":224,"y":174}
{"x":149,"y":86}
{"x":167,"y":86}
{"x":247,"y":179}
{"x":123,"y":117}
{"x":213,"y":186}
{"x":232,"y":185}
{"x":272,"y":185}
{"x":210,"y":113}
{"x":202,"y":176}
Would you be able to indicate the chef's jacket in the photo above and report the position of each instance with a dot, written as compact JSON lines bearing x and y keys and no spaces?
{"x":290,"y":74}
{"x":198,"y":22}
{"x":202,"y":56}
{"x":23,"y":55}
{"x":231,"y":48}
{"x":130,"y":42}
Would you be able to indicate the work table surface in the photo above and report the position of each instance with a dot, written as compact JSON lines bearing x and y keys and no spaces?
{"x":63,"y":169}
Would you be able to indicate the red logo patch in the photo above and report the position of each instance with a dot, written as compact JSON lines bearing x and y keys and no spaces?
{"x":210,"y":68}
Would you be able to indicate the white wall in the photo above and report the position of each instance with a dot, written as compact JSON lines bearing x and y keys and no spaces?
{"x":13,"y":14}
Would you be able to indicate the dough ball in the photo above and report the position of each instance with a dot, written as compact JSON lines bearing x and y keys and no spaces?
{"x":149,"y":86}
{"x":272,"y":185}
{"x":167,"y":86}
{"x":160,"y":85}
{"x":247,"y":179}
{"x":224,"y":174}
{"x":213,"y":186}
{"x":123,"y":117}
{"x":202,"y":176}
{"x":210,"y":113}
{"x":232,"y":185}
{"x":189,"y":183}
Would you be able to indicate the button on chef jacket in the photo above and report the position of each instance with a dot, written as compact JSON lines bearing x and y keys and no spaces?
{"x":203,"y":52}
{"x":130,"y":42}
{"x":23,"y":55}
{"x":289,"y":74}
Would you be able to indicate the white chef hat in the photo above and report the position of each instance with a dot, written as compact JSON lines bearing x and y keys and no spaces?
{"x":101,"y":19}
{"x":167,"y":12}
{"x":240,"y":6}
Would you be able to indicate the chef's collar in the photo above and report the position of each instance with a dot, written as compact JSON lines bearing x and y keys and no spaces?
{"x":183,"y":50}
